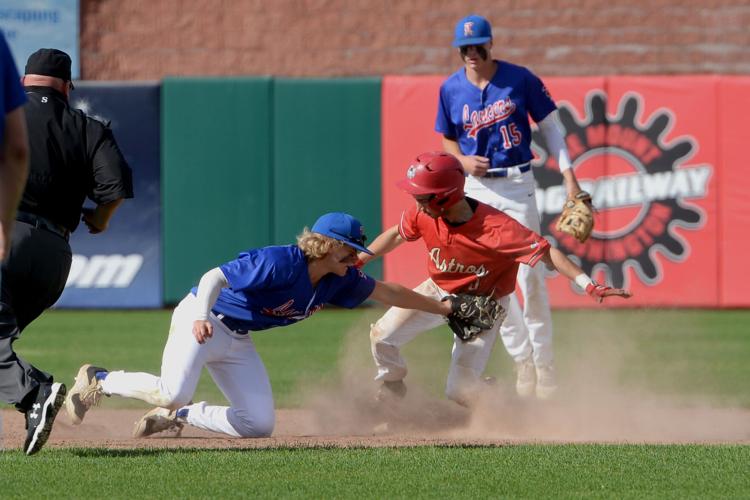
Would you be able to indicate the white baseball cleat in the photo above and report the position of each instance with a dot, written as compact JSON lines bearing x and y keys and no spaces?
{"x":546,"y":384}
{"x":390,"y":392}
{"x":525,"y":378}
{"x":85,"y":393}
{"x":158,"y":420}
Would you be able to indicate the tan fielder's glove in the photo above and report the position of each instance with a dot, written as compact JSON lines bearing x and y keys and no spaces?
{"x":577,"y":218}
{"x":473,"y":314}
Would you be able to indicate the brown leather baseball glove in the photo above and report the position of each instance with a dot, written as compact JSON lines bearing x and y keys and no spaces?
{"x":577,"y":218}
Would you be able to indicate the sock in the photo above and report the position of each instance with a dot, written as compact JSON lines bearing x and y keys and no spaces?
{"x":182,"y":413}
{"x":101,"y":375}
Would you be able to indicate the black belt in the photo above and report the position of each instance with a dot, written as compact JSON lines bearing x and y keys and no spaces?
{"x":232,"y":323}
{"x":40,"y":222}
{"x":503,"y":172}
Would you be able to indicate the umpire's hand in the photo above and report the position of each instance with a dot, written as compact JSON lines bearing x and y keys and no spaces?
{"x":202,"y":330}
{"x":97,"y":219}
{"x":92,"y":221}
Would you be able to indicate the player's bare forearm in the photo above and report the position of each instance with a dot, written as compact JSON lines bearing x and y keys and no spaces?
{"x":473,"y":164}
{"x":393,"y":294}
{"x":557,"y":260}
{"x":384,"y":243}
{"x":571,"y":183}
{"x":451,"y":146}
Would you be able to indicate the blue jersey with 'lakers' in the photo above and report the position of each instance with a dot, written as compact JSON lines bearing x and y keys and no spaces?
{"x":271,"y":287}
{"x":494,"y":122}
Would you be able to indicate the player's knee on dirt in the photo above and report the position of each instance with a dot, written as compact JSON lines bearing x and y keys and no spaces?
{"x":171,"y":400}
{"x":166,"y":401}
{"x":255,"y":424}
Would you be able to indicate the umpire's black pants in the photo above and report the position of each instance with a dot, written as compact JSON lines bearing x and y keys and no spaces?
{"x":33,"y":278}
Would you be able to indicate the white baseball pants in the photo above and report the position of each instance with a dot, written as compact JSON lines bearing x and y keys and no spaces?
{"x":399,"y":326}
{"x":233,"y":363}
{"x":526,"y":332}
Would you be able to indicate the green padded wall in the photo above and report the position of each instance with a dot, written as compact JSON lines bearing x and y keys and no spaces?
{"x":216,"y":174}
{"x":326,"y":150}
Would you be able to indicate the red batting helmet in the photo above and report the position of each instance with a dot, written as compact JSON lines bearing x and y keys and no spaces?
{"x":437,"y":173}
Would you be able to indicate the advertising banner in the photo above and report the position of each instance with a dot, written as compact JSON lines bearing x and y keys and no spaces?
{"x":648,"y":160}
{"x":408,"y":129}
{"x":121,"y":267}
{"x":32,"y":25}
{"x":654,"y":152}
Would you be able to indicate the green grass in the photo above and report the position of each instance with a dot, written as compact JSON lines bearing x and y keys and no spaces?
{"x":530,"y":471}
{"x":60,"y":341}
{"x":681,"y":354}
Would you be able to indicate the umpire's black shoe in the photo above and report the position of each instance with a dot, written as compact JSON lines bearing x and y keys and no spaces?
{"x":41,"y":416}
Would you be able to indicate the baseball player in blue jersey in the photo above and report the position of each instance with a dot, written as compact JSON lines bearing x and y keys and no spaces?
{"x":261,"y":289}
{"x":483,"y":115}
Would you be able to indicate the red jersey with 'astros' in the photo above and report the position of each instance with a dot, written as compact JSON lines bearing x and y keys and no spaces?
{"x":480,"y":256}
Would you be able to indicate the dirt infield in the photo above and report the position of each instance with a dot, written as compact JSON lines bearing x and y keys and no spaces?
{"x":421,"y":423}
{"x":112,"y":428}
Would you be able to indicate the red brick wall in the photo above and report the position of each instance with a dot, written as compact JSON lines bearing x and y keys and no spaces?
{"x":150,"y":39}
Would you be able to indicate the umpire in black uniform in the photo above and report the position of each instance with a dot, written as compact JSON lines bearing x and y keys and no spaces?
{"x":72,"y":157}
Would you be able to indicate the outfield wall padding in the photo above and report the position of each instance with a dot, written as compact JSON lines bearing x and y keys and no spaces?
{"x":216,"y":174}
{"x":326,"y":151}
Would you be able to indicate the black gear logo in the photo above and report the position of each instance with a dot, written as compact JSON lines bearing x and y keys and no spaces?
{"x":638,"y":183}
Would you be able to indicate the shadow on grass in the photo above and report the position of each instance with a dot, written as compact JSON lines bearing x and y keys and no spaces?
{"x":150,"y":452}
{"x":135,"y":452}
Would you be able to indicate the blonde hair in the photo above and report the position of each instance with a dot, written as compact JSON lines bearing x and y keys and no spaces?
{"x":316,"y":245}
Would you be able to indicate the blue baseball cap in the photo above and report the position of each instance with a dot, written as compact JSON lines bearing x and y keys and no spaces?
{"x":472,"y":30}
{"x":342,"y":227}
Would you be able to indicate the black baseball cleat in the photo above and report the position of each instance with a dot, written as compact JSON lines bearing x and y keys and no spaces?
{"x":41,"y":416}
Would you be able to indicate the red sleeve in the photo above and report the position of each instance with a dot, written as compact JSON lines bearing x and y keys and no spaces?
{"x":408,"y":228}
{"x":526,"y":246}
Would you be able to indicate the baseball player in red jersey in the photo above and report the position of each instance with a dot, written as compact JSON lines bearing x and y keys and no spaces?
{"x":471,"y":248}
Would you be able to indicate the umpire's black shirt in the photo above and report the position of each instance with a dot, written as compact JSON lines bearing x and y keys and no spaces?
{"x":73,"y":157}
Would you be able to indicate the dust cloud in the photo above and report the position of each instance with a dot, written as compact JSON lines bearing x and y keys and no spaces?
{"x":592,"y":404}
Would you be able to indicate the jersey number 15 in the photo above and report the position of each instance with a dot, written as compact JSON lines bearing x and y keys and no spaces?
{"x":511,"y":135}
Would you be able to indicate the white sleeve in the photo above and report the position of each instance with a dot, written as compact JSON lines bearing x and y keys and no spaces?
{"x":208,"y":290}
{"x":555,"y":141}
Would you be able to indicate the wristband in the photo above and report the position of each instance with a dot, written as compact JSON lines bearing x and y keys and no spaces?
{"x":583,"y":281}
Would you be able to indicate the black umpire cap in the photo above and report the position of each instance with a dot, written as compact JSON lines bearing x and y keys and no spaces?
{"x":49,"y":62}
